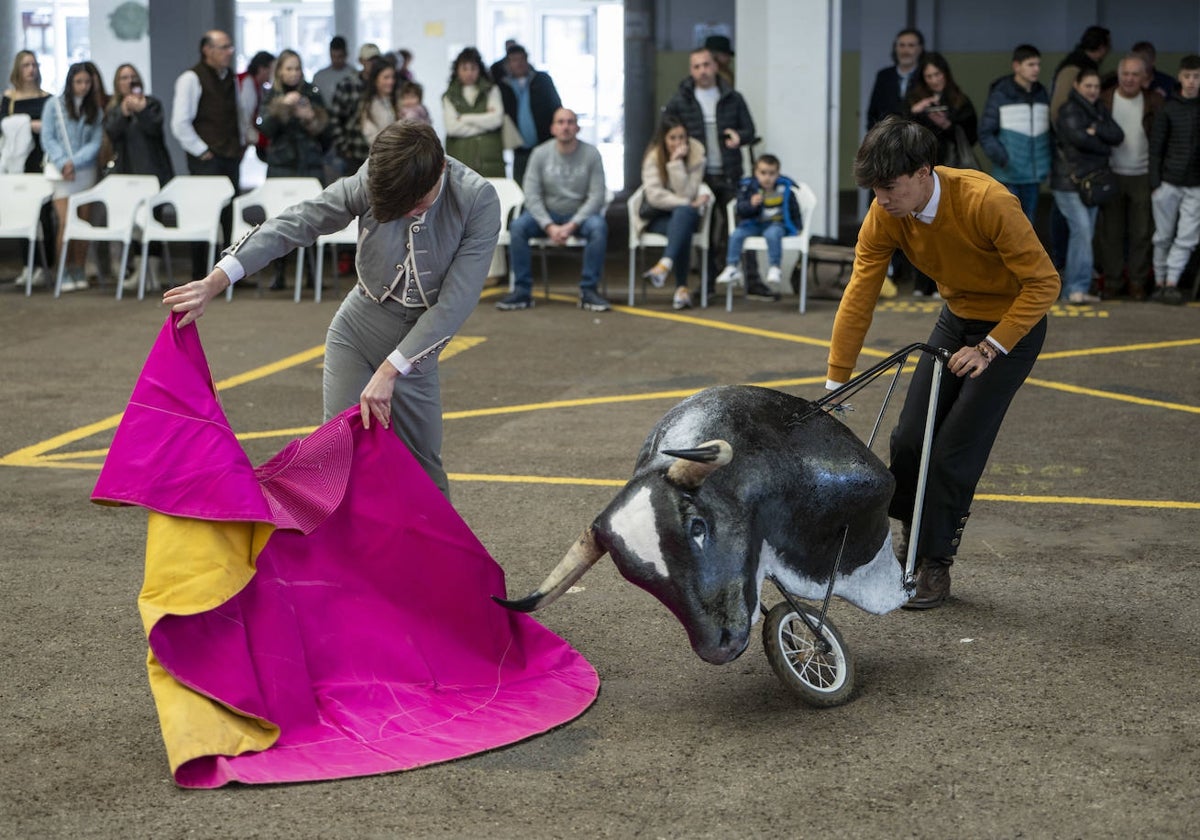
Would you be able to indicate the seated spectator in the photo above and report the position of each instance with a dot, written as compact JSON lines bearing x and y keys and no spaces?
{"x":564,"y":197}
{"x":766,"y":207}
{"x":672,"y":174}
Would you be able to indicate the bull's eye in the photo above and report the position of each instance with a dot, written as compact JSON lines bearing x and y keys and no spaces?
{"x":699,"y":532}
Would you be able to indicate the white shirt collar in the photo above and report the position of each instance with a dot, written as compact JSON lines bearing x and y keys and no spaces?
{"x":927,"y":214}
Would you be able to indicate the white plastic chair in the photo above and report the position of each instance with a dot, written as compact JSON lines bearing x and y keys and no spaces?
{"x":346,"y":236}
{"x":122,"y":196}
{"x":24,"y":196}
{"x":512,"y":199}
{"x":649,"y":239}
{"x":274,"y":196}
{"x":198,"y":202}
{"x":544,"y":243}
{"x":807,"y":200}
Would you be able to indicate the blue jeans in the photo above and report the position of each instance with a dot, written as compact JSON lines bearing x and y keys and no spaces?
{"x":1027,"y":194}
{"x":678,"y":227}
{"x":773,"y":232}
{"x":1081,"y":221}
{"x":594,"y":229}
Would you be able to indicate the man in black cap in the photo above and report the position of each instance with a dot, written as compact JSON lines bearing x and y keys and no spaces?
{"x":722,"y":51}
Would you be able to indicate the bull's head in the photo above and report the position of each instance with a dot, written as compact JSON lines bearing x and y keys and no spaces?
{"x":673,"y":534}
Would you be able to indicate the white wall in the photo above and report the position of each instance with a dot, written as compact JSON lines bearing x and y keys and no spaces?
{"x":788,"y":70}
{"x":109,"y":52}
{"x":435,"y":32}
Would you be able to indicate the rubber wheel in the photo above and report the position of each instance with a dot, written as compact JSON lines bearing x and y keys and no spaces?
{"x":820,"y":679}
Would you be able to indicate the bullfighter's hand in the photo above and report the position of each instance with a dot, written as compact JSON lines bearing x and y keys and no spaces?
{"x":968,"y":361}
{"x":376,"y":398}
{"x":191,"y":298}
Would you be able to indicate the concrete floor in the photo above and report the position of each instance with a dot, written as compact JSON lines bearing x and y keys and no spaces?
{"x":1054,"y":696}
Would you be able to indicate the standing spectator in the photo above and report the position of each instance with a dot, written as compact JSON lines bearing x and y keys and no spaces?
{"x":380,"y":103}
{"x":205,"y":120}
{"x":250,"y":84}
{"x":1126,"y":220}
{"x":969,"y":234}
{"x":294,"y":121}
{"x":433,"y":217}
{"x":25,"y":96}
{"x":889,"y":94}
{"x":412,"y":106}
{"x":1086,"y":134}
{"x":71,"y":135}
{"x":936,"y":102}
{"x":717,"y":117}
{"x":1014,"y":130}
{"x":474,"y":112}
{"x":1175,"y":182}
{"x":346,"y":112}
{"x":1156,"y":80}
{"x":133,"y":122}
{"x":530,"y":100}
{"x":403,"y":63}
{"x":499,"y":68}
{"x":564,"y":197}
{"x":328,"y":78}
{"x":672,"y":173}
{"x":722,"y":52}
{"x":1093,"y":46}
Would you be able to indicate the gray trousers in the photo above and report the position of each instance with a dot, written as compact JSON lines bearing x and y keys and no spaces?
{"x":360,"y":337}
{"x":1176,"y":230}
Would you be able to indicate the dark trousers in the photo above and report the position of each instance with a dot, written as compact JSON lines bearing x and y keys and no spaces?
{"x":1126,"y":221}
{"x":520,"y":161}
{"x":678,"y":226}
{"x":969,"y":415}
{"x":217,"y":165}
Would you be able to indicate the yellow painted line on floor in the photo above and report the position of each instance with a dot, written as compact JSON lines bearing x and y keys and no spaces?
{"x":1124,"y":348}
{"x":1158,"y":504}
{"x":538,"y":479}
{"x":1112,"y":395}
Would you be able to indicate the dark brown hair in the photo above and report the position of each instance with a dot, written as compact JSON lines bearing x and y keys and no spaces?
{"x":894,"y":147}
{"x":952,"y":95}
{"x":404,"y":164}
{"x":90,"y":108}
{"x":658,"y":144}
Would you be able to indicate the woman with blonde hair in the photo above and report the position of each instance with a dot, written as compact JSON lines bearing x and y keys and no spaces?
{"x":295,"y":120}
{"x":133,"y":123}
{"x":672,"y":173}
{"x":380,"y":104}
{"x":25,"y":96}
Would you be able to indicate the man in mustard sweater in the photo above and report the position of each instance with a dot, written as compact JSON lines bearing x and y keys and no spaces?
{"x":967,"y":232}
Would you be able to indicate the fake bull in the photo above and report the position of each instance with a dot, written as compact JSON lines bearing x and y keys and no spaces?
{"x":734,"y":484}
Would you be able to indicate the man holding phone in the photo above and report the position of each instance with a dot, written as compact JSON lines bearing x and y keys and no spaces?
{"x":717,"y":117}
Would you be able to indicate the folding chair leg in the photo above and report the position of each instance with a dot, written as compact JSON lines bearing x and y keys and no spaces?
{"x":545,"y":274}
{"x":299,"y":273}
{"x":121,"y":270}
{"x":29,"y":268}
{"x":319,"y":271}
{"x":803,"y":282}
{"x":632,"y":268}
{"x":704,"y":280}
{"x":142,"y":269}
{"x":62,"y":264}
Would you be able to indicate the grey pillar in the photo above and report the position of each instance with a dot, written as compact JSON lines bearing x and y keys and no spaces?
{"x":345,"y":23}
{"x":10,"y":35}
{"x":640,"y":117}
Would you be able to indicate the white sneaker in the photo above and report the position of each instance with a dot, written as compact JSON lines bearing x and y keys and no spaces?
{"x":774,"y":276}
{"x":731,"y":274}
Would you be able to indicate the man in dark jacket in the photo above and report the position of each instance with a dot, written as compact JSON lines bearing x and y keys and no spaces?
{"x":888,"y":95}
{"x":530,"y":100}
{"x":717,"y":117}
{"x":1175,"y":182}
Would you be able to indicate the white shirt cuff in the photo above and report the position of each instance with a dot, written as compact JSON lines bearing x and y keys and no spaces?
{"x":997,"y":345}
{"x":230,"y":265}
{"x":399,"y":362}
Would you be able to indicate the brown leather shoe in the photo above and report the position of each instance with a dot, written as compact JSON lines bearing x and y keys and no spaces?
{"x":933,"y":584}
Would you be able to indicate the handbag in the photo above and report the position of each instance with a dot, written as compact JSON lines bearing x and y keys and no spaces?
{"x":962,"y":151}
{"x":510,"y":134}
{"x":52,"y":172}
{"x":1096,"y":187}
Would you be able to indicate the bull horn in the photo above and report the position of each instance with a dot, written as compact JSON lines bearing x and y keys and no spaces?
{"x":692,"y":466}
{"x":579,"y":558}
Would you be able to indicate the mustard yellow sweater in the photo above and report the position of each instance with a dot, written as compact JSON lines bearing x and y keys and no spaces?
{"x":980,"y":249}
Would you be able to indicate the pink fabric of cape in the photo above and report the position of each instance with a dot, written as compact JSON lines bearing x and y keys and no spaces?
{"x":352,"y":632}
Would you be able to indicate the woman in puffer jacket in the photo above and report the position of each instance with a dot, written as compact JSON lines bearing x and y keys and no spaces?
{"x":1086,"y":133}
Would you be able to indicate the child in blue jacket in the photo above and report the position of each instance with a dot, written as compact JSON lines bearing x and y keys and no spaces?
{"x":766,"y":207}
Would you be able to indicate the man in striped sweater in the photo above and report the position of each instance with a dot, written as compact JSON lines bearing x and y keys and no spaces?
{"x":968,"y":232}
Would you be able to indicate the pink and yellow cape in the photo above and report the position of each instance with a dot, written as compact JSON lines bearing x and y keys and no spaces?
{"x":327,"y":614}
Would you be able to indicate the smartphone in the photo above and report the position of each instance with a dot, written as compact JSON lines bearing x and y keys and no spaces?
{"x":136,"y":90}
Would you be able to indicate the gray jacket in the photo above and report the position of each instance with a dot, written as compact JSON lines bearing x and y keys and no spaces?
{"x":451,"y":247}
